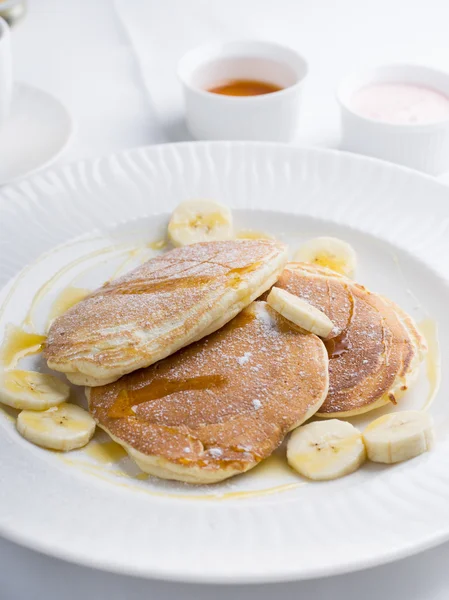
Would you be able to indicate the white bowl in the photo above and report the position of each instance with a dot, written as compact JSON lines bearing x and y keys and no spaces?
{"x":268,"y":117}
{"x":423,"y":146}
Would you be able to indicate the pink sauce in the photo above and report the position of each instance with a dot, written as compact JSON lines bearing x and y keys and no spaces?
{"x":400,"y":103}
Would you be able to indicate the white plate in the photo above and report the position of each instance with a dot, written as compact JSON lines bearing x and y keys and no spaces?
{"x":268,"y":525}
{"x":36,"y":133}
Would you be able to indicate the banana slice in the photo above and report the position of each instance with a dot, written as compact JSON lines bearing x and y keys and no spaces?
{"x":326,"y":449}
{"x":300,"y":312}
{"x":64,"y":427}
{"x":398,"y":436}
{"x":328,"y":252}
{"x":31,"y":390}
{"x":200,"y":221}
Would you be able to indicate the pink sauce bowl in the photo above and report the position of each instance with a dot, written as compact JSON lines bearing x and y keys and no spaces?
{"x":399,"y":113}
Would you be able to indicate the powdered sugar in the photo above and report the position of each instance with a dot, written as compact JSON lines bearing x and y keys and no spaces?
{"x":242,"y":360}
{"x":215,"y":452}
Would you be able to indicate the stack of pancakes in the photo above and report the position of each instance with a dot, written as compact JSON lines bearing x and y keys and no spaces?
{"x":198,"y":382}
{"x":375,"y":348}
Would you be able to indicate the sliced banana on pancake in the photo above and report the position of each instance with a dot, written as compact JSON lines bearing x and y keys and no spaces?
{"x":64,"y":427}
{"x":31,"y":390}
{"x":398,"y":436}
{"x":300,"y":312}
{"x":200,"y":221}
{"x":376,"y":349}
{"x":326,"y":449}
{"x":329,"y":252}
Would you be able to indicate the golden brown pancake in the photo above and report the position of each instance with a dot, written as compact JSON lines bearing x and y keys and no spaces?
{"x":375,"y":348}
{"x":161,"y":306}
{"x":220,"y":406}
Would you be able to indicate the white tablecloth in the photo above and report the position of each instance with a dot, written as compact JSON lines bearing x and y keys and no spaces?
{"x":113,"y":63}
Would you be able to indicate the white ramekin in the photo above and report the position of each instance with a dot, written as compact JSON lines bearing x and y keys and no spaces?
{"x":422,"y":147}
{"x":269,"y":117}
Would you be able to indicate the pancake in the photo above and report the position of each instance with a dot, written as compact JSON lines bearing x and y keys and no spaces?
{"x":218,"y":407}
{"x":161,"y":306}
{"x":375,"y":348}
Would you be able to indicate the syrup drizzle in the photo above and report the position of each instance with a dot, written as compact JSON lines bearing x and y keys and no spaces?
{"x":159,"y":388}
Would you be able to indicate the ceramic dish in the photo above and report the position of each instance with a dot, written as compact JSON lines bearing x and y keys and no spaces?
{"x":81,"y":224}
{"x":421,"y":146}
{"x":268,"y":117}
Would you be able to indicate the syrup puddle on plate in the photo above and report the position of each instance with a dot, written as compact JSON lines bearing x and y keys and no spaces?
{"x":124,"y":266}
{"x":46,"y":288}
{"x":429,"y":330}
{"x":253,"y":234}
{"x":109,"y":461}
{"x":158,"y":244}
{"x":19,"y":343}
{"x":105,"y":453}
{"x":275,"y":465}
{"x":69,"y":296}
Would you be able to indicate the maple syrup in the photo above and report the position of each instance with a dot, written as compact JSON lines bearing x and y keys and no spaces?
{"x":341,"y":343}
{"x":105,"y":453}
{"x":19,"y":343}
{"x":338,"y":345}
{"x":253,"y":234}
{"x":159,"y":388}
{"x":48,"y":285}
{"x":274,"y":465}
{"x":67,"y":298}
{"x":158,"y":244}
{"x":429,"y":330}
{"x":244,"y":87}
{"x":241,"y":320}
{"x":165,"y":284}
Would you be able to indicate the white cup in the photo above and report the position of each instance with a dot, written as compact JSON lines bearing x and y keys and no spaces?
{"x":421,"y":146}
{"x":5,"y":71}
{"x":269,"y":117}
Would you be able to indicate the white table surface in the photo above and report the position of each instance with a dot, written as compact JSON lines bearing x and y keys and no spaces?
{"x":97,"y":57}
